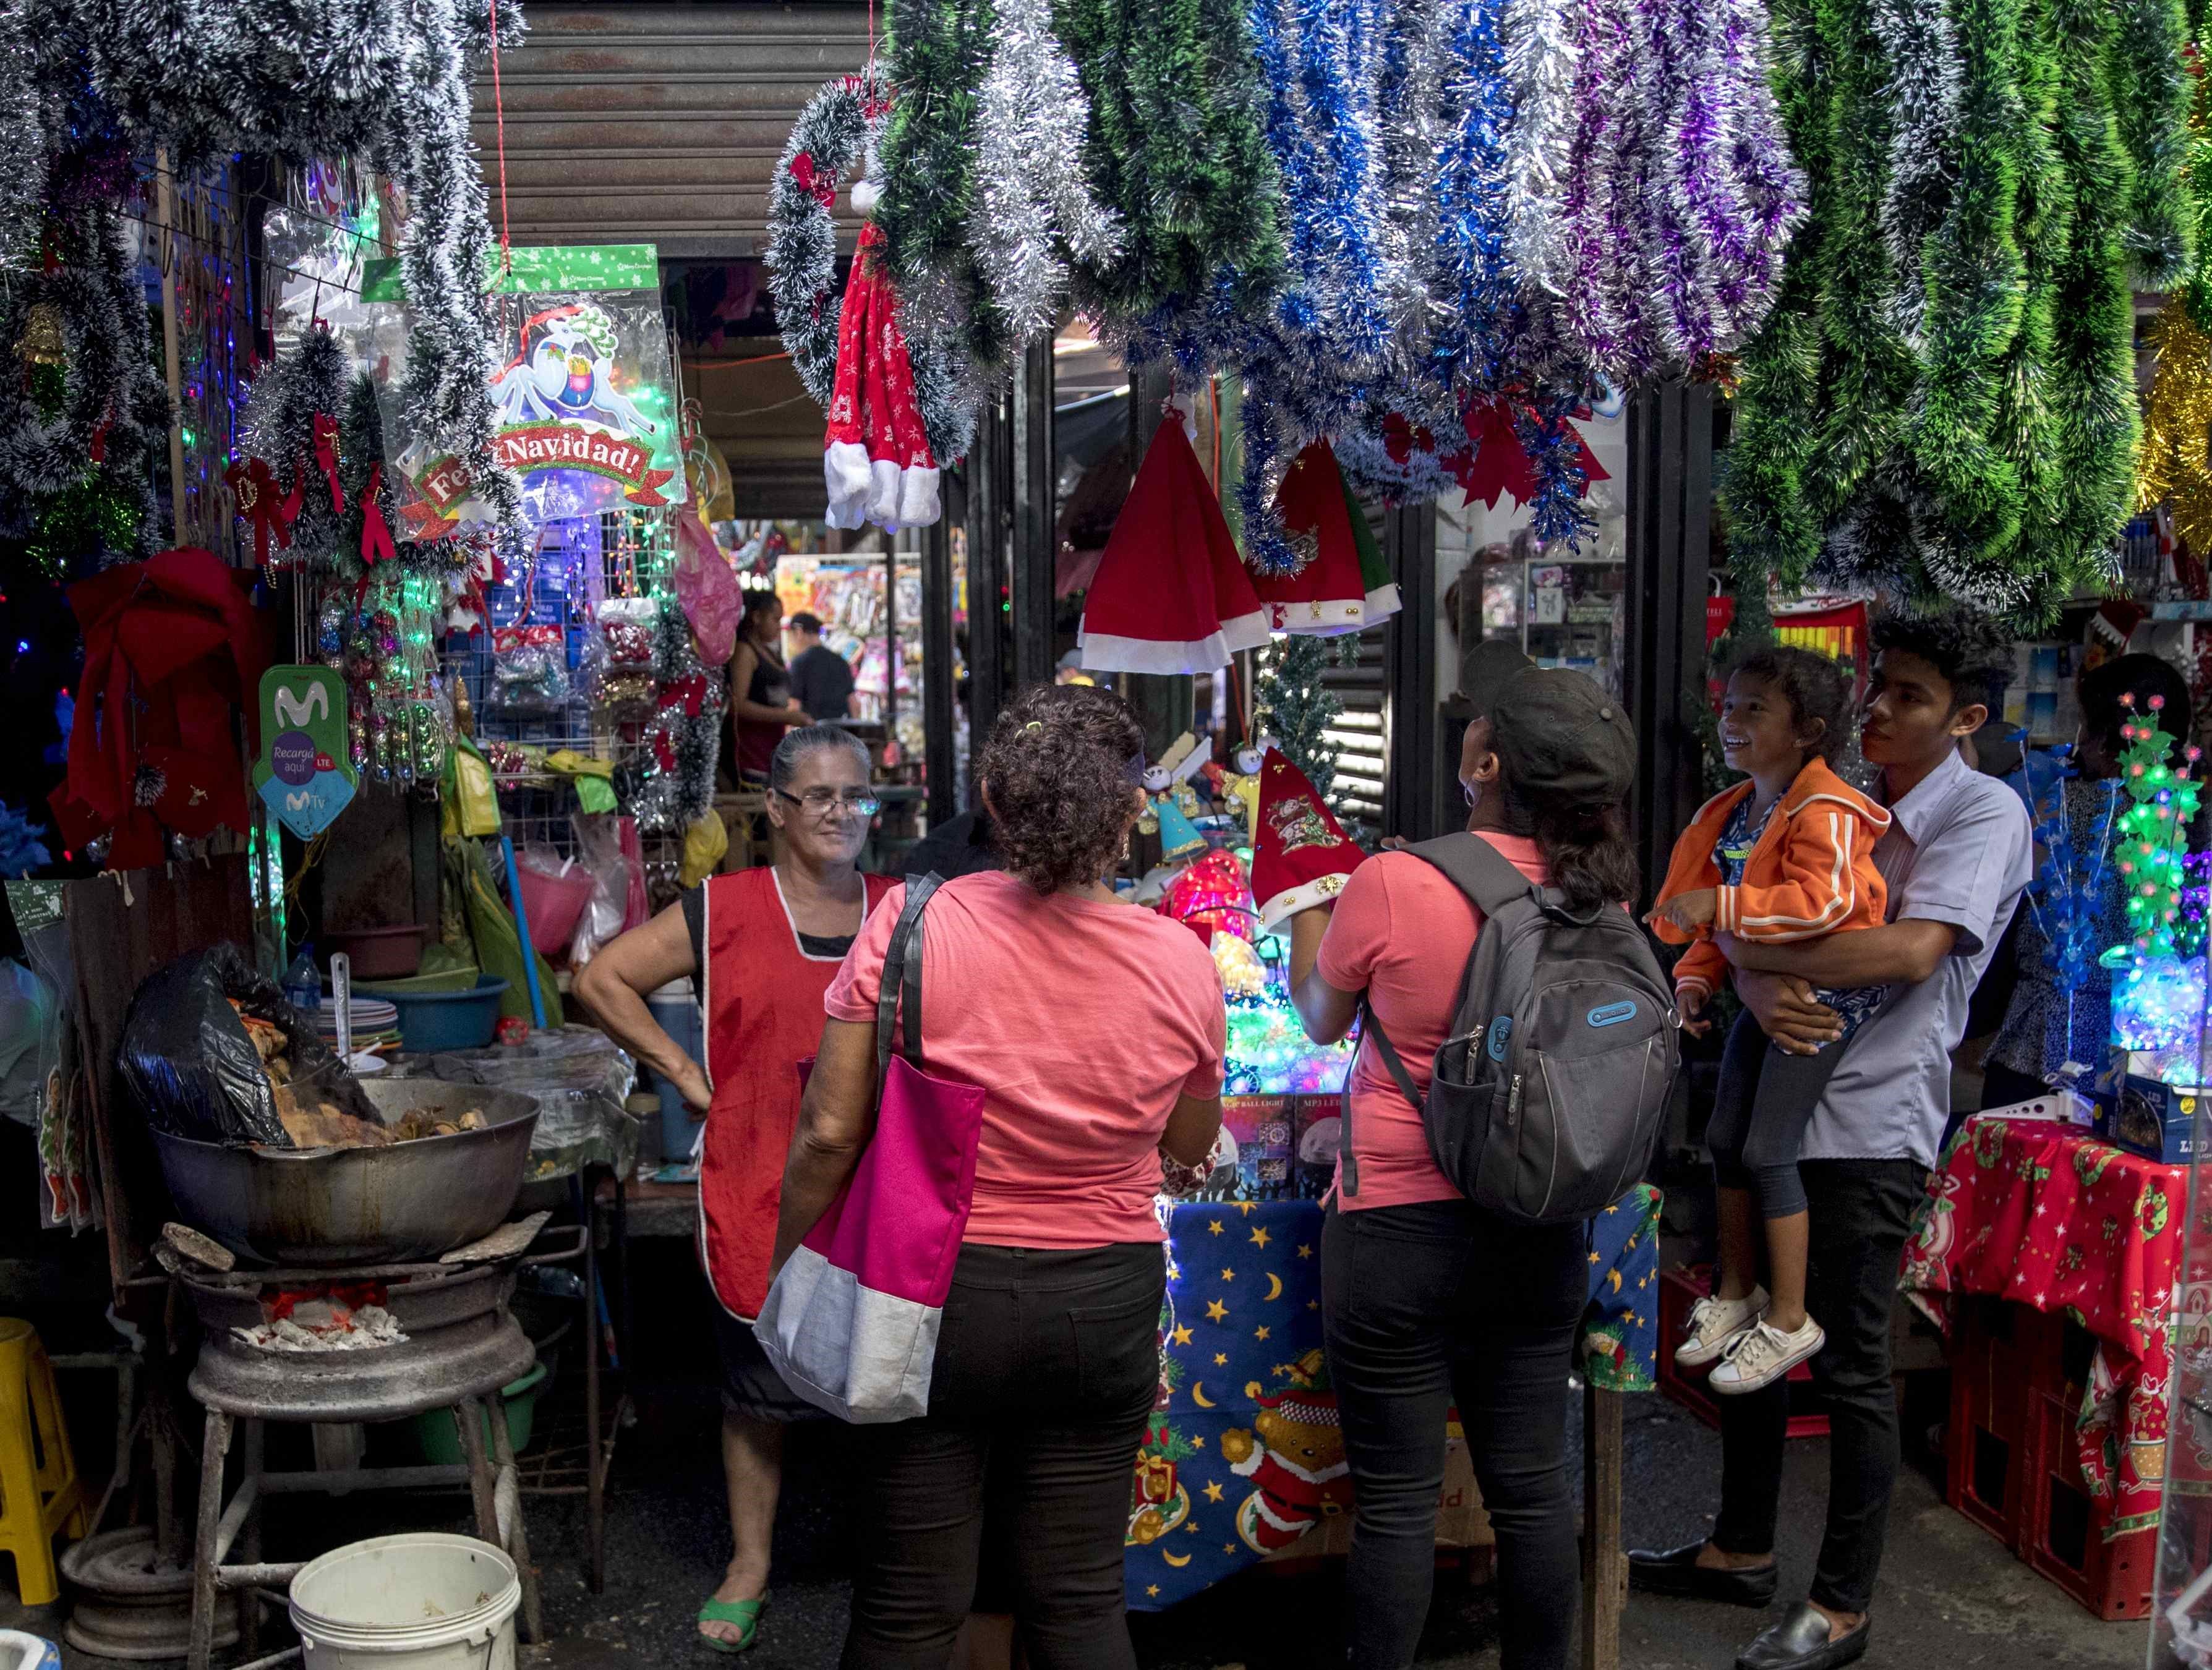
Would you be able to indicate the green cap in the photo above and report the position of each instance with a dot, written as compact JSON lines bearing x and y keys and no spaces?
{"x":1557,"y":734}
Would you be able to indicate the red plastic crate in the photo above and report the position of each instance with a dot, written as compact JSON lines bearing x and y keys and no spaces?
{"x":2063,"y":1526}
{"x":1680,"y":1290}
{"x":2004,"y":1356}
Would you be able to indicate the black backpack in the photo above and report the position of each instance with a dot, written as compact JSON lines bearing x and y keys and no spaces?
{"x":1552,"y":1086}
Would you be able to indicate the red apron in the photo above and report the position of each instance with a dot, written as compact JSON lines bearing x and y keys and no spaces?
{"x":763,"y":1011}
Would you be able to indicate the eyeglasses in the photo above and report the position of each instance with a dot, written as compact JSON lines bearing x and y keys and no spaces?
{"x":822,"y":802}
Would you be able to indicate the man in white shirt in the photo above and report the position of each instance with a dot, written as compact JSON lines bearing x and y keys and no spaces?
{"x":1957,"y":857}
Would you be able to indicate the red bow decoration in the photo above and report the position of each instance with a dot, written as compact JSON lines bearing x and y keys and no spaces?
{"x":822,"y":187}
{"x":376,"y":545}
{"x":1400,"y":438}
{"x":326,"y":455}
{"x":690,"y":693}
{"x":263,"y":504}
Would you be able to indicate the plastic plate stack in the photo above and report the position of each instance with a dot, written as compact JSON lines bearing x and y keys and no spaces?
{"x":375,"y":1023}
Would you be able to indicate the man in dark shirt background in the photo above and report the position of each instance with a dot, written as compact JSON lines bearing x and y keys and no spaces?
{"x":821,"y":679}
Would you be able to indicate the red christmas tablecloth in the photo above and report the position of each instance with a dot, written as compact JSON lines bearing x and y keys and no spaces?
{"x":2039,"y":1213}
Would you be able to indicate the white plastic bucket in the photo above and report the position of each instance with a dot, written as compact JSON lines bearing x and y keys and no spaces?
{"x":424,"y":1600}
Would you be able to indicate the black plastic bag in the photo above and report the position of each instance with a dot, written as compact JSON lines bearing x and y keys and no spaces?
{"x":188,"y":1058}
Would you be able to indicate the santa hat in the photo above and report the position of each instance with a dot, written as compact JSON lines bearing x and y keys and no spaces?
{"x":1301,"y":856}
{"x":1373,"y":567}
{"x":1329,"y":593}
{"x":1171,"y":595}
{"x":876,"y":461}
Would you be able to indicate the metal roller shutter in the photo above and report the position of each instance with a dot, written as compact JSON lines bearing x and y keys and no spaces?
{"x":657,"y":123}
{"x":1363,"y":730}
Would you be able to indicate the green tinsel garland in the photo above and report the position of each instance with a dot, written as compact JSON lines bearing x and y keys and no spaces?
{"x":1867,"y":371}
{"x":938,"y":50}
{"x":2026,"y":425}
{"x":1973,"y":273}
{"x":1772,"y":526}
{"x":1176,"y":148}
{"x":2093,"y":380}
{"x":2151,"y":92}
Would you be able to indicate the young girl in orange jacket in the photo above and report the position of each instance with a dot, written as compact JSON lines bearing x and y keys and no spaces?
{"x":1788,"y":854}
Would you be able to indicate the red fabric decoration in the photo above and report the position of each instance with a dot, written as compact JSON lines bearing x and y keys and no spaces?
{"x":1495,"y":462}
{"x":171,"y":654}
{"x":2030,"y":1211}
{"x":376,"y":545}
{"x":875,"y":460}
{"x":263,"y":505}
{"x":1170,"y":594}
{"x":327,"y":456}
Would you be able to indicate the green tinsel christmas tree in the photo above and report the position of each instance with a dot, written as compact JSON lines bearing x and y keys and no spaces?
{"x":1296,"y":708}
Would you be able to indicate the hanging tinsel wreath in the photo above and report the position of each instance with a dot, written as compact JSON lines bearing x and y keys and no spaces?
{"x":836,"y":136}
{"x":82,"y":424}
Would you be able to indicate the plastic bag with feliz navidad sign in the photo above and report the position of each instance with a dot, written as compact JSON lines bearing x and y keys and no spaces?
{"x":582,"y":390}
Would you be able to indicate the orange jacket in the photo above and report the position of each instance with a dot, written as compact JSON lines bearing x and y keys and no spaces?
{"x":1810,"y":873}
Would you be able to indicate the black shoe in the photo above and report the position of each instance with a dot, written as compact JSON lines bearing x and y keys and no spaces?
{"x":1676,"y":1571}
{"x":1800,"y":1641}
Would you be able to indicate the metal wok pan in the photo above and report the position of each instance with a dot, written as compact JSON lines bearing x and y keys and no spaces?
{"x":361,"y":1206}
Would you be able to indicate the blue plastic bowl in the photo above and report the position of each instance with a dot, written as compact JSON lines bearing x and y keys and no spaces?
{"x":431,"y":1021}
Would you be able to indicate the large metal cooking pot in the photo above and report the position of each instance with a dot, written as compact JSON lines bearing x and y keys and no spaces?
{"x":361,"y":1206}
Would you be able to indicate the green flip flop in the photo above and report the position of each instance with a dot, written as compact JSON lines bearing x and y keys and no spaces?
{"x":745,"y":1614}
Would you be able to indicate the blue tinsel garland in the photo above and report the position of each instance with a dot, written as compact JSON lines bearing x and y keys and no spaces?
{"x":21,"y":850}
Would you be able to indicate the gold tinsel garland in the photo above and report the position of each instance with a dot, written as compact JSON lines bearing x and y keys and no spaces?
{"x":2175,"y":467}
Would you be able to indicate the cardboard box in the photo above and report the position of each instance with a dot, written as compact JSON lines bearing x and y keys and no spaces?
{"x":2155,"y":1120}
{"x":1261,"y":1126}
{"x":1317,"y":1124}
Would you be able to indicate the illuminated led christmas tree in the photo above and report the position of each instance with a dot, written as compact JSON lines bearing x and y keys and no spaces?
{"x":2164,"y":800}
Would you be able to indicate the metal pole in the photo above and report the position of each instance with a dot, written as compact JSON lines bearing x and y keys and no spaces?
{"x":1035,"y":505}
{"x":891,"y":643}
{"x":1409,"y":781}
{"x":937,"y":675}
{"x":989,"y":465}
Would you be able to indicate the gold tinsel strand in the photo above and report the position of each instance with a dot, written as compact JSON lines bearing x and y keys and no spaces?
{"x":2175,"y":468}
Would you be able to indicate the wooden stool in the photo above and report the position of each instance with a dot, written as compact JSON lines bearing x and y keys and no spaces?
{"x":39,"y":1490}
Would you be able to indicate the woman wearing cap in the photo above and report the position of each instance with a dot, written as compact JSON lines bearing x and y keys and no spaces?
{"x":1428,"y":1302}
{"x":1096,"y":1032}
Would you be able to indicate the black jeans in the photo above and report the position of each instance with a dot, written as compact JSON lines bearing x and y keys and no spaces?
{"x":1765,"y":1101}
{"x":1423,"y":1306}
{"x":1860,"y":1211}
{"x":1047,"y":1363}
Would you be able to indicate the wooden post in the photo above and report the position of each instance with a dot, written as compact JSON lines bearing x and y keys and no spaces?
{"x":1605,"y":1563}
{"x":165,"y":216}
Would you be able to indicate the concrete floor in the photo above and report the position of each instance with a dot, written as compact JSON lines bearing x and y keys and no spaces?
{"x":1951,"y":1596}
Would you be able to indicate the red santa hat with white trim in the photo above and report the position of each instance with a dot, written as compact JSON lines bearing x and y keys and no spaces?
{"x":1301,"y":856}
{"x":1328,"y":594}
{"x":1171,"y":595}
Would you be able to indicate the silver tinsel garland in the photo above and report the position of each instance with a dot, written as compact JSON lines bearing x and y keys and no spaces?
{"x":1034,"y":205}
{"x":1539,"y":38}
{"x":22,"y":138}
{"x":300,"y":80}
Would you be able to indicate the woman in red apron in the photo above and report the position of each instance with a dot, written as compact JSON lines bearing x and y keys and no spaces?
{"x":761,"y":947}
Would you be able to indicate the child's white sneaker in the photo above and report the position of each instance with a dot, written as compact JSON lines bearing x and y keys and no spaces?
{"x":1764,"y":1355}
{"x":1715,"y":1324}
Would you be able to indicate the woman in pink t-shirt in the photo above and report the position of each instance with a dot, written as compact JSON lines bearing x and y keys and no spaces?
{"x":1095,"y":1031}
{"x":1426,"y":1300}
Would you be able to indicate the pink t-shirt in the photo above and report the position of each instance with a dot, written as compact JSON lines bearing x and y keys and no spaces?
{"x":1401,"y":933}
{"x":1082,"y":1021}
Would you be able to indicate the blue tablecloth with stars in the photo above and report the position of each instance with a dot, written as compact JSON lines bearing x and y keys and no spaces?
{"x":1243,"y":1455}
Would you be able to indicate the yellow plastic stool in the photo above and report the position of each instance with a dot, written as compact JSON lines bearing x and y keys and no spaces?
{"x":39,"y":1490}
